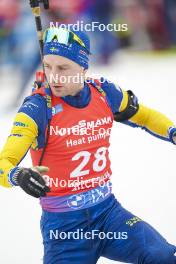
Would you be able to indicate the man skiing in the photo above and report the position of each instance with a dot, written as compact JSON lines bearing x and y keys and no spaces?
{"x":66,"y":125}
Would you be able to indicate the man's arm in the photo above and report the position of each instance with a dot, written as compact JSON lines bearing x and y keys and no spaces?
{"x":154,"y":122}
{"x":146,"y":118}
{"x":28,"y":122}
{"x":22,"y":135}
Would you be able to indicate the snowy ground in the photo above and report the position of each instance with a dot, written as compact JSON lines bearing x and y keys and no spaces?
{"x":143,"y":167}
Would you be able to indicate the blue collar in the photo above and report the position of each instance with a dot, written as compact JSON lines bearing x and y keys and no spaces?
{"x":79,"y":100}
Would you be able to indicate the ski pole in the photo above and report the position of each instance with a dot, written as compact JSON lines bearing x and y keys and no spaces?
{"x":35,"y":6}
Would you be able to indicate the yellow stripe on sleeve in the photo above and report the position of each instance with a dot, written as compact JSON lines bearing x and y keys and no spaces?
{"x":124,"y":101}
{"x":22,"y":135}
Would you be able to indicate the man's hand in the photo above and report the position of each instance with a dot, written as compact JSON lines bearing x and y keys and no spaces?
{"x":174,"y":137}
{"x":31,"y":181}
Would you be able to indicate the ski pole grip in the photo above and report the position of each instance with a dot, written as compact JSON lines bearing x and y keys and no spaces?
{"x":40,"y":76}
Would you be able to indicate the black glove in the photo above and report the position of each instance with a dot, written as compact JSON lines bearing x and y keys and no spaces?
{"x":31,"y":181}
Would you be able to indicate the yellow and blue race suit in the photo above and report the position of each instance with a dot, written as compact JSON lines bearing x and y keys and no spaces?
{"x":31,"y":120}
{"x":137,"y":241}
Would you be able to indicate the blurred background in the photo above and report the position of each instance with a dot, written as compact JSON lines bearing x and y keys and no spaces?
{"x":142,"y":59}
{"x":151,"y":27}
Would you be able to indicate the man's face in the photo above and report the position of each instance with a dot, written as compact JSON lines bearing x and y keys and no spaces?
{"x":64,"y":76}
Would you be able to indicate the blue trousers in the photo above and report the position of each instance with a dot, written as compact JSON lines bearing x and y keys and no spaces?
{"x":114,"y":233}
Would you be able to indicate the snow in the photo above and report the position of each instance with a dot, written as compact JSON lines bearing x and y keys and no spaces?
{"x":143,"y":167}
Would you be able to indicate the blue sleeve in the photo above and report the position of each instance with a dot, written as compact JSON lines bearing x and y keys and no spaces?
{"x":114,"y":94}
{"x":35,"y":107}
